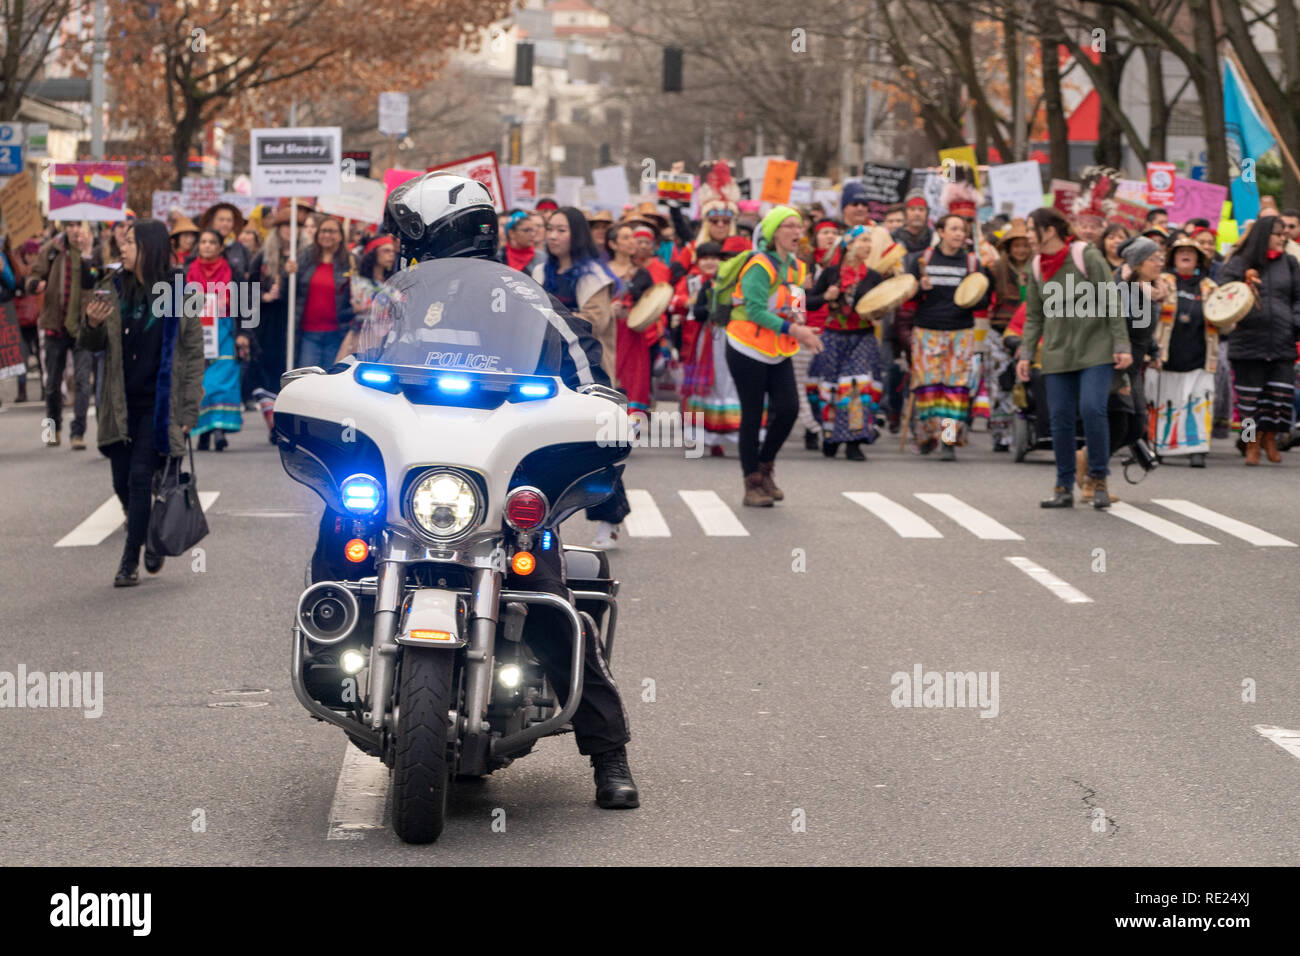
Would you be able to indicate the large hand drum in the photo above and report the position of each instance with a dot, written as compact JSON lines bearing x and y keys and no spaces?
{"x":970,"y":290}
{"x":1227,"y":305}
{"x":887,"y":295}
{"x":650,"y":306}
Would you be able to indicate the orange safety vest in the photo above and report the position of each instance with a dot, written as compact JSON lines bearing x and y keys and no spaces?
{"x":783,"y":300}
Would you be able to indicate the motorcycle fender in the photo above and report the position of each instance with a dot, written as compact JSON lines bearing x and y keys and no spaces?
{"x":431,"y":610}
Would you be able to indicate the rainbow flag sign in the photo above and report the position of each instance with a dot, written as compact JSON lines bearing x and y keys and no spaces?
{"x":93,"y":191}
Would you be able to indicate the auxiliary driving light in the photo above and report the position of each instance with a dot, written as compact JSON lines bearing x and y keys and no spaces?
{"x":352,"y":661}
{"x":356,"y":551}
{"x":523,"y":563}
{"x":361,"y":494}
{"x":510,"y":676}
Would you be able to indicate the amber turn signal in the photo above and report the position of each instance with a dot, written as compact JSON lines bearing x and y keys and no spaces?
{"x":523,"y":563}
{"x":356,"y":551}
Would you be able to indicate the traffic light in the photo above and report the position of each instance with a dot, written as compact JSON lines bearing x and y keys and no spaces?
{"x":672,"y":69}
{"x":523,"y":64}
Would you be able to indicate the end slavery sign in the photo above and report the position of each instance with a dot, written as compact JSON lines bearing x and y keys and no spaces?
{"x":300,"y":161}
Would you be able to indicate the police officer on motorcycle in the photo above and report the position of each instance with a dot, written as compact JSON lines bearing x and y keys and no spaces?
{"x":440,"y":216}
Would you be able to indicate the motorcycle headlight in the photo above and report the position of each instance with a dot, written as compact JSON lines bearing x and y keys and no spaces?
{"x":444,"y":504}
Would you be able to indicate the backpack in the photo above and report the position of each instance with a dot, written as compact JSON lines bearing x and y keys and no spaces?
{"x":1077,"y":248}
{"x":724,"y":284}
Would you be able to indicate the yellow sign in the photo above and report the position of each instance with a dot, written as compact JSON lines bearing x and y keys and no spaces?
{"x":960,"y":154}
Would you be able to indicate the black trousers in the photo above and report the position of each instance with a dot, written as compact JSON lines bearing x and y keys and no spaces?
{"x":133,"y":464}
{"x":600,"y":722}
{"x":57,"y":350}
{"x":1265,"y":392}
{"x":756,"y":382}
{"x":614,"y":508}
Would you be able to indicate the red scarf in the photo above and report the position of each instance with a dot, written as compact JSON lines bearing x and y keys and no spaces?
{"x":1274,"y":254}
{"x":214,"y":275}
{"x":1050,"y":265}
{"x":519,"y":258}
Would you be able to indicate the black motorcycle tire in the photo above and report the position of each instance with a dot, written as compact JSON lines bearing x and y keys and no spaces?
{"x":421,"y":778}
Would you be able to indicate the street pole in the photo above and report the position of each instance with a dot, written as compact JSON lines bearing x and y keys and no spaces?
{"x":708,"y":143}
{"x":97,"y":81}
{"x":846,"y":110}
{"x":291,"y":318}
{"x":1019,"y":145}
{"x":869,"y":117}
{"x":758,"y":141}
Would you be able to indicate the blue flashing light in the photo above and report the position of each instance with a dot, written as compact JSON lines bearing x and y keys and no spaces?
{"x":535,"y":391}
{"x":546,"y":541}
{"x":361,"y":494}
{"x":376,"y":377}
{"x":453,"y":384}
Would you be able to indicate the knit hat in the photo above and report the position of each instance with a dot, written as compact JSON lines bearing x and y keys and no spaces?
{"x":916,"y":197}
{"x":853,"y":192}
{"x":774,"y":219}
{"x":1138,"y":250}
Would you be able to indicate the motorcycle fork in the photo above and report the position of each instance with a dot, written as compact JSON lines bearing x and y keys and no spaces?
{"x":383,"y":650}
{"x":484,"y":611}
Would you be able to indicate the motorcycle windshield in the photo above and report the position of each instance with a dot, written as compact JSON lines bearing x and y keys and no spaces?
{"x":465,"y":314}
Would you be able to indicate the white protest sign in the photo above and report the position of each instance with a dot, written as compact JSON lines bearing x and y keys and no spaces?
{"x":611,"y":188}
{"x":801,"y":192}
{"x":1017,"y":185}
{"x":521,"y":184}
{"x":361,"y":199}
{"x":163,"y":201}
{"x":568,"y":190}
{"x":299,"y":161}
{"x":393,"y":110}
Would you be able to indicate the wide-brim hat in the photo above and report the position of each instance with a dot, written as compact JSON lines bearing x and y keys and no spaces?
{"x":601,"y":215}
{"x":1016,"y":230}
{"x":183,"y":224}
{"x":648,"y":210}
{"x":1186,"y":242}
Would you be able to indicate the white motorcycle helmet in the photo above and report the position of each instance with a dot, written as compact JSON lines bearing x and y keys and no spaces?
{"x":438,"y":216}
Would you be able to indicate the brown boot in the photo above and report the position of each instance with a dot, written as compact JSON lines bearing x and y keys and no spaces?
{"x":755,"y":496}
{"x":1269,"y":441}
{"x":1100,"y":495}
{"x":1252,"y":450}
{"x":765,"y":469}
{"x":1081,"y":472}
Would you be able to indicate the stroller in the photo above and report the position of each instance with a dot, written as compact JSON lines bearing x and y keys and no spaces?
{"x":1031,"y":429}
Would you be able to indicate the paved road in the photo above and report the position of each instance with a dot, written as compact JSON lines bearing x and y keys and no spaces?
{"x":1120,"y":735}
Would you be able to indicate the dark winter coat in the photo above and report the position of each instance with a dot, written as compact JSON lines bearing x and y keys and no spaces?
{"x":1271,"y":329}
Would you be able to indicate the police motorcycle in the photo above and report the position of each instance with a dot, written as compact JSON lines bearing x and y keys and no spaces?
{"x":450,"y":451}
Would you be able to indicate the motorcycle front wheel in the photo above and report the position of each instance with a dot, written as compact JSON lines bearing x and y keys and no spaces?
{"x":420,"y":770}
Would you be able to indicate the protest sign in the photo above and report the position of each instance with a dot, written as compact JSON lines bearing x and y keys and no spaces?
{"x":1132,"y":215}
{"x":568,"y":190}
{"x":22,"y":214}
{"x":778,"y":179}
{"x":360,"y":199}
{"x":296,"y":161}
{"x":1016,"y":188}
{"x":961,"y":154}
{"x":1160,"y":183}
{"x":611,"y":189}
{"x":1064,"y":193}
{"x":677,"y":186}
{"x":521,"y":186}
{"x":93,"y":191}
{"x":395,"y":177}
{"x":1194,"y":199}
{"x":11,"y":352}
{"x":481,"y":168}
{"x":885,"y":186}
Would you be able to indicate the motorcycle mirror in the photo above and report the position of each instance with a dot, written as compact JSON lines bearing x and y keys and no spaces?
{"x":297,"y":373}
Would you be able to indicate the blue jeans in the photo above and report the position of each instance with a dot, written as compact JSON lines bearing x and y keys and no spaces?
{"x":318,"y":348}
{"x":1087,"y":390}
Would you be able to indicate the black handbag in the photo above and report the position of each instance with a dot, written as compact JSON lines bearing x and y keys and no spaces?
{"x":176,"y":521}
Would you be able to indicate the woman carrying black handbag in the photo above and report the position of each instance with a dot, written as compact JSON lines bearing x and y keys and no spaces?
{"x":153,"y":378}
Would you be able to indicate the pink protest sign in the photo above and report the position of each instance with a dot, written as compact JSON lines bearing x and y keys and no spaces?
{"x":395,"y":177}
{"x":1194,"y":199}
{"x":93,"y":191}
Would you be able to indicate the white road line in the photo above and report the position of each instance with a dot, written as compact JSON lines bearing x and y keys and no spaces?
{"x":1238,"y":529}
{"x":1288,"y":740}
{"x":359,"y":797}
{"x":106,"y":519}
{"x":908,"y":524}
{"x":972,"y":519}
{"x":1062,"y":589}
{"x":264,"y":514}
{"x":717,"y":520}
{"x":102,"y":522}
{"x":1157,"y":525}
{"x":645,"y":520}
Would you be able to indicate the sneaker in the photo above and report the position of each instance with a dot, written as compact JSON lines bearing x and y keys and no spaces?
{"x":77,"y":443}
{"x":949,"y":453}
{"x":606,"y":536}
{"x":615,"y":788}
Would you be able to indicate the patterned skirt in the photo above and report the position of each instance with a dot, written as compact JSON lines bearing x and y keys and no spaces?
{"x":941,"y":381}
{"x":708,"y":390}
{"x":222,"y":407}
{"x":1180,"y":408}
{"x":845,"y":384}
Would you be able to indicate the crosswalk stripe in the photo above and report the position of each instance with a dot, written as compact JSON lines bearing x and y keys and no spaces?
{"x":972,"y":519}
{"x":1288,"y":740}
{"x":712,"y":513}
{"x":359,"y":797}
{"x":106,"y":519}
{"x":908,"y":524}
{"x":1238,"y":529}
{"x":645,"y":519}
{"x":1157,"y":525}
{"x":1062,"y":589}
